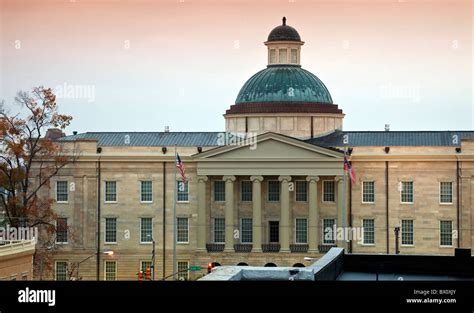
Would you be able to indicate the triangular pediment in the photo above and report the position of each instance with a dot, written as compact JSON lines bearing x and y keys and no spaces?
{"x":270,"y":146}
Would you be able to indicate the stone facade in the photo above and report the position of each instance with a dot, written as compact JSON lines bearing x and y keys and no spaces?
{"x":295,"y":125}
{"x":130,"y":165}
{"x":16,"y":260}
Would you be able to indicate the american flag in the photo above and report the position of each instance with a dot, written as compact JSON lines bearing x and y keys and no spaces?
{"x":180,"y":167}
{"x":348,"y":169}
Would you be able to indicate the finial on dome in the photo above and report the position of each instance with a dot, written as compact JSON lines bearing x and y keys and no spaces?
{"x":284,"y":21}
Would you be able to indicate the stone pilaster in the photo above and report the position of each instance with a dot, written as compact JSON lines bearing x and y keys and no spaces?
{"x":202,"y":227}
{"x":341,"y":214}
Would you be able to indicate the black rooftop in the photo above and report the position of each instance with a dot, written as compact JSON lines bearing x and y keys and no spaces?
{"x":284,"y":33}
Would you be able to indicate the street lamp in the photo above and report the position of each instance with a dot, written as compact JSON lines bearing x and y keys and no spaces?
{"x":397,"y":231}
{"x":106,"y":252}
{"x":153,"y":253}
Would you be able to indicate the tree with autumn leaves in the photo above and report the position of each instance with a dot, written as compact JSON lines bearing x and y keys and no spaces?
{"x":28,"y":161}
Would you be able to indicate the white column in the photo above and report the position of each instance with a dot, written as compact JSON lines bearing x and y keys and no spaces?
{"x":313,"y":231}
{"x":257,"y":213}
{"x":229,"y":212}
{"x":285,"y":224}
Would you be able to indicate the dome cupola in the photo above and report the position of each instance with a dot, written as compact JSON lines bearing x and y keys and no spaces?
{"x":284,"y":45}
{"x":284,"y":32}
{"x":284,"y":97}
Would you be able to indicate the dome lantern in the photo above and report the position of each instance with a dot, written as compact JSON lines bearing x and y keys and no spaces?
{"x":284,"y":45}
{"x":284,"y":97}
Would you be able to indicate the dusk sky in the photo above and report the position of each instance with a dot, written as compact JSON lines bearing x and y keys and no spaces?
{"x":147,"y":64}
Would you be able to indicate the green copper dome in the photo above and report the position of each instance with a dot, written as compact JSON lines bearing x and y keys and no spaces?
{"x":284,"y":83}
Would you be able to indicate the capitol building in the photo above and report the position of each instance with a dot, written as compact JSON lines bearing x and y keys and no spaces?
{"x":271,"y":198}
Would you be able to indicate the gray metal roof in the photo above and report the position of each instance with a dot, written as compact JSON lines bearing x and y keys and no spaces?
{"x":183,"y":139}
{"x":335,"y":139}
{"x":392,"y":138}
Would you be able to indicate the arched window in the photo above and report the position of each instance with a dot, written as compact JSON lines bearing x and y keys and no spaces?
{"x":242,"y":264}
{"x":270,"y":265}
{"x":298,"y":265}
{"x":214,"y":264}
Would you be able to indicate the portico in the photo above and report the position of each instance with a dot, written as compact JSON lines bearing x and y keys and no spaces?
{"x":285,"y":190}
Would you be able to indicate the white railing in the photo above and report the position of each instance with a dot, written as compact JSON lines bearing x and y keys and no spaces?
{"x":16,"y":246}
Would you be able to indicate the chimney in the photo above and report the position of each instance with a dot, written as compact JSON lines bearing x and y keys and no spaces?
{"x":167,"y":129}
{"x":54,"y":133}
{"x":74,"y":132}
{"x":387,"y":127}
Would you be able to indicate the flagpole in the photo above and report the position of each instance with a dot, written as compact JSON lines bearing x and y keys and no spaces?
{"x":174,"y":212}
{"x":344,"y":202}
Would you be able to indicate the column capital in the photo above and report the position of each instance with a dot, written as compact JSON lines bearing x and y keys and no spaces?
{"x":339,"y":179}
{"x":228,"y":178}
{"x":284,"y":178}
{"x":256,"y":178}
{"x":312,"y":179}
{"x":202,"y":179}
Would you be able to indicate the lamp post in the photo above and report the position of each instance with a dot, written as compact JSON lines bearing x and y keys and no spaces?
{"x":107,"y":252}
{"x":153,"y":257}
{"x":397,"y":231}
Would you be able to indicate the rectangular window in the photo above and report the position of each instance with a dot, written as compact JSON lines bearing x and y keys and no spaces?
{"x":272,"y":56}
{"x":294,"y":56}
{"x":368,"y":192}
{"x":274,"y":227}
{"x":407,"y":233}
{"x":407,"y":192}
{"x":144,"y":265}
{"x":369,"y":231}
{"x":182,"y":230}
{"x":446,"y":192}
{"x":446,"y":233}
{"x":328,"y":231}
{"x":219,"y":190}
{"x":146,"y":230}
{"x":110,"y":230}
{"x":329,"y":191}
{"x":110,"y":270}
{"x":183,"y":189}
{"x":61,"y":270}
{"x":282,"y":56}
{"x":183,"y":270}
{"x":246,"y":230}
{"x":301,"y":191}
{"x":301,"y":230}
{"x":219,"y":230}
{"x":246,"y":191}
{"x":146,"y":191}
{"x":61,"y":230}
{"x":273,"y":190}
{"x":110,"y":191}
{"x":62,"y":191}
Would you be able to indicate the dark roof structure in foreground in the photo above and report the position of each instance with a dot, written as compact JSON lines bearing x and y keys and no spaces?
{"x":334,"y":139}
